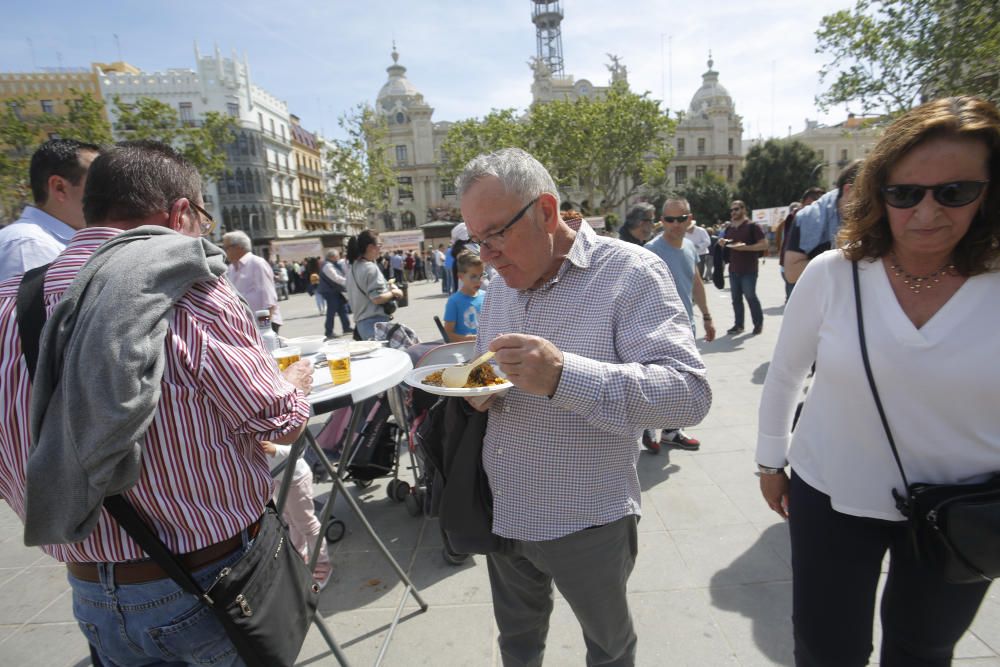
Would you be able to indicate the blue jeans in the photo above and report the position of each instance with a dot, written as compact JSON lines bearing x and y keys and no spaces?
{"x":745,"y":285}
{"x":366,"y":327}
{"x":155,"y":623}
{"x":336,"y":305}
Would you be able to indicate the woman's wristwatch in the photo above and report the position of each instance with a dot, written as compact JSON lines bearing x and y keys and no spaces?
{"x":766,"y":470}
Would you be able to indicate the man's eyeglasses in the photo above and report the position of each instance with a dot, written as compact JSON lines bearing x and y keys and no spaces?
{"x":952,"y":195}
{"x":206,"y":222}
{"x":676,"y":218}
{"x":495,"y":240}
{"x":736,"y":209}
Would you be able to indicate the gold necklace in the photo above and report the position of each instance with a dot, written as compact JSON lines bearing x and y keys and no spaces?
{"x":917,"y":283}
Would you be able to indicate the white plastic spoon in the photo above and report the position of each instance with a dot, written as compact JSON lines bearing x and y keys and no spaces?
{"x":455,"y":377}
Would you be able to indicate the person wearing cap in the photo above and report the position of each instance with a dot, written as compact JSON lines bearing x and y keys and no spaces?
{"x":459,"y":239}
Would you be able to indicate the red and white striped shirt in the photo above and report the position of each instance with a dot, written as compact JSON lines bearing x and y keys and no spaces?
{"x":204,"y":476}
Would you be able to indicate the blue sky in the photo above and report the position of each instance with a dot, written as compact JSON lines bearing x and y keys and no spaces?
{"x":323,"y":57}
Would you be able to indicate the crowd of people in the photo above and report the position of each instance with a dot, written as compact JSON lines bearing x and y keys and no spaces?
{"x":898,"y":264}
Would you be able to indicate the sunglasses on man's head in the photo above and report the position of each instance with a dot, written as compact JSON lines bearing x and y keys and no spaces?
{"x":675,"y":218}
{"x":952,"y":195}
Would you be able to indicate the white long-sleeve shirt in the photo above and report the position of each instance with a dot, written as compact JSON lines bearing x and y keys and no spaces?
{"x":939,"y":387}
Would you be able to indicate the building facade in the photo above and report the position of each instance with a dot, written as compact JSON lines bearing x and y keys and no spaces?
{"x":414,"y":151}
{"x":709,"y":136}
{"x":839,"y":145}
{"x":309,"y":167}
{"x":49,"y":90}
{"x":259,"y":190}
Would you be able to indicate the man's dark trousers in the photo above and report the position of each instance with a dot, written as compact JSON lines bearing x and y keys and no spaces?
{"x":590,"y":568}
{"x":745,"y":285}
{"x":336,"y":305}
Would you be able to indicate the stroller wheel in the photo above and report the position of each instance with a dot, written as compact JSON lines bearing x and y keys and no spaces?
{"x":335,"y":531}
{"x":390,"y":488}
{"x":401,"y":491}
{"x":453,"y":558}
{"x":413,"y":505}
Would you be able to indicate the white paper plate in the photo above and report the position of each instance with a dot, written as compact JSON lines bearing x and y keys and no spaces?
{"x":415,"y":379}
{"x":362,"y":348}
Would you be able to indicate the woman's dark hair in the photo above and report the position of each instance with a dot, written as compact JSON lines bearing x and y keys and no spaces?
{"x":865,"y":232}
{"x":134,"y":179}
{"x":357,"y":245}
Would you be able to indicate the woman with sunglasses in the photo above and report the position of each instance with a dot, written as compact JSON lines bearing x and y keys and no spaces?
{"x":924,"y":230}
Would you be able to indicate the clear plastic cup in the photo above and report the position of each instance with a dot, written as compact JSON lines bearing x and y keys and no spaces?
{"x":286,"y":356}
{"x":338,"y":360}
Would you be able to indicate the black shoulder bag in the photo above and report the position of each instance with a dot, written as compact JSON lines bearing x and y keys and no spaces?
{"x":266,"y":600}
{"x":955,"y":527}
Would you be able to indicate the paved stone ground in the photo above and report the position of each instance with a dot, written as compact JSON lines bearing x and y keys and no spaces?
{"x":711,"y":585}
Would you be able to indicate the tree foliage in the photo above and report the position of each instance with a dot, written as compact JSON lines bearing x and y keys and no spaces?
{"x":466,"y":139}
{"x":362,"y":177}
{"x":605,"y":149}
{"x":709,"y":198}
{"x":22,"y":132}
{"x":888,"y":55}
{"x":202,"y":143}
{"x":777,"y":173}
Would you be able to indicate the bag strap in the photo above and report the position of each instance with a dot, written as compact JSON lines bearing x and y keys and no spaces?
{"x":128,"y":518}
{"x":901,"y":502}
{"x":30,"y":321}
{"x":31,"y":315}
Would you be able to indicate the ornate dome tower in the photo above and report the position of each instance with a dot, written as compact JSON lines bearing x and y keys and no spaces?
{"x":399,"y":98}
{"x":709,"y":137}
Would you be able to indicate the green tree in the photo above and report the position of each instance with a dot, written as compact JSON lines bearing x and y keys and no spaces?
{"x":888,"y":55}
{"x":203,"y":144}
{"x":612,"y":146}
{"x":777,"y":172}
{"x":362,"y":177}
{"x":22,"y":132}
{"x":709,"y":197}
{"x":609,"y":147}
{"x":468,"y":138}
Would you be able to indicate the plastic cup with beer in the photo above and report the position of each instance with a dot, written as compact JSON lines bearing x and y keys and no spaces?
{"x":338,"y":360}
{"x":286,"y":356}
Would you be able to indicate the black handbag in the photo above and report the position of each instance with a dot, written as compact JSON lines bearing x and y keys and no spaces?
{"x":266,"y":600}
{"x":955,"y":527}
{"x":389,"y":307}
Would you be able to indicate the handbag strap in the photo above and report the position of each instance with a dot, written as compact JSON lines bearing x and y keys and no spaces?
{"x":871,"y":383}
{"x":30,"y":321}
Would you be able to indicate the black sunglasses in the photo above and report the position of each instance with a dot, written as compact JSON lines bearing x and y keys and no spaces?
{"x":952,"y":195}
{"x":676,"y":218}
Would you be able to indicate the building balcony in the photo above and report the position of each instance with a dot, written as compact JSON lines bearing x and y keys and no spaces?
{"x":226,"y":199}
{"x":277,"y":138}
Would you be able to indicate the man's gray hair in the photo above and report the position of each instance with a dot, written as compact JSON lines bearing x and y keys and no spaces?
{"x":678,"y":199}
{"x":333,"y":252}
{"x":638,"y":213}
{"x":516,"y":169}
{"x":239,"y":239}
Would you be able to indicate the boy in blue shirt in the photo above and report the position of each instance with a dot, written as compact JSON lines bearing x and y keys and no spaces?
{"x":461,"y":313}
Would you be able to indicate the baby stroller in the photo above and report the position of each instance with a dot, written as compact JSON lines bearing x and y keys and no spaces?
{"x":419,"y":410}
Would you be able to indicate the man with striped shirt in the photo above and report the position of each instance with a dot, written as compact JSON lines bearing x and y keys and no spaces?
{"x":595,"y":339}
{"x":204,"y":479}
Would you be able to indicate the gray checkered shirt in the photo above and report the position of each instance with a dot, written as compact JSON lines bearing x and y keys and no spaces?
{"x":567,"y":463}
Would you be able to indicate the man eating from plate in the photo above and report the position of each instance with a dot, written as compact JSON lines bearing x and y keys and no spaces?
{"x":597,"y":343}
